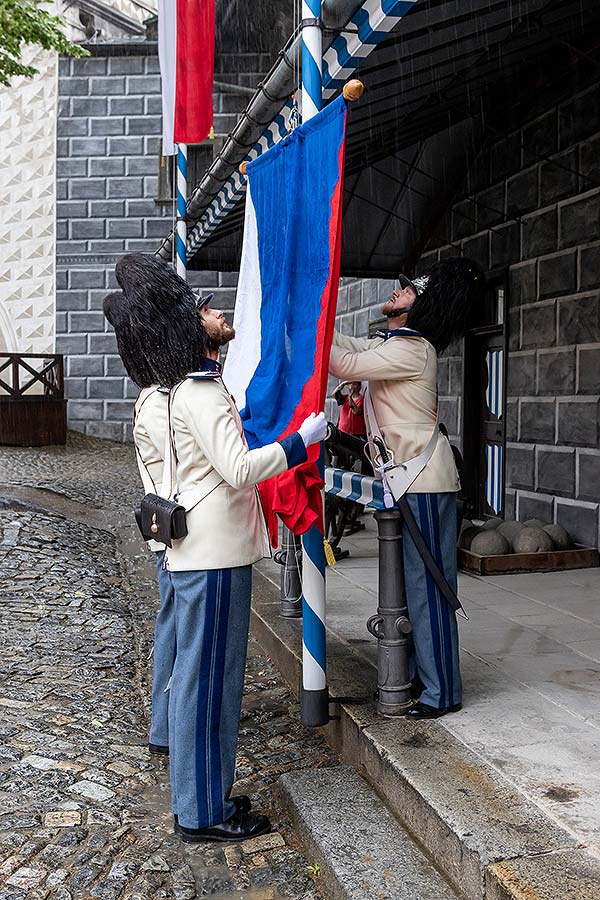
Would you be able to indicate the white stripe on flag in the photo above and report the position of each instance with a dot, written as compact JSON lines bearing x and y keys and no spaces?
{"x":243,"y":355}
{"x":167,"y":52}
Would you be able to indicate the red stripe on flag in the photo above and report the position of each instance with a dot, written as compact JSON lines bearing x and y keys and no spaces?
{"x":194,"y":70}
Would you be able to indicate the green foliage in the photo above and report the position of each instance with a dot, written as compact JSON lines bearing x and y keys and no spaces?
{"x":25,"y":22}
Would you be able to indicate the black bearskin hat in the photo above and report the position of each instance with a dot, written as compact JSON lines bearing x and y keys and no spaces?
{"x":159,"y":331}
{"x":450,"y":303}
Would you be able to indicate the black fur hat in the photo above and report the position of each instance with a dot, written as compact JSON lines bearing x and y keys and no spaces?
{"x":450,"y":303}
{"x":159,"y":332}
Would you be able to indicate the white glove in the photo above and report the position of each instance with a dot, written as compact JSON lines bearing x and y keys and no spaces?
{"x":313,"y":429}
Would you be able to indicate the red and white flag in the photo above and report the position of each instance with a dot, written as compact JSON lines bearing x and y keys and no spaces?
{"x":186,"y":52}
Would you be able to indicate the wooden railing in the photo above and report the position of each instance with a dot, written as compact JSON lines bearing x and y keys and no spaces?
{"x":20,"y":379}
{"x":33,"y":409}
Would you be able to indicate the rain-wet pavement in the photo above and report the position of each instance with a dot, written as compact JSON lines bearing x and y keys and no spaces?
{"x":84,"y":808}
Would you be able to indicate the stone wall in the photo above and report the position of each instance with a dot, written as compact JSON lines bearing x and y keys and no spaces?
{"x":531,"y":206}
{"x":109,"y":129}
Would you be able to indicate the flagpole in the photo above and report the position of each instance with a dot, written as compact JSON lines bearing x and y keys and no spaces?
{"x":315,"y":694}
{"x":181,"y":210}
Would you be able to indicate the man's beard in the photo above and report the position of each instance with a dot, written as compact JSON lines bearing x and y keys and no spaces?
{"x":216,"y":341}
{"x":390,"y":311}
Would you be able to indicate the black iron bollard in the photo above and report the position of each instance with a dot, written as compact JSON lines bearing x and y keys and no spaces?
{"x":291,"y":583}
{"x":391,"y":626}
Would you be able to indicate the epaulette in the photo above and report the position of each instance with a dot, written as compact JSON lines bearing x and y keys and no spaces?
{"x":204,"y":376}
{"x":398,"y":332}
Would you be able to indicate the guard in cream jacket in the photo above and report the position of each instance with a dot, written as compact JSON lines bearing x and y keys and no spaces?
{"x":216,"y":477}
{"x":210,"y":447}
{"x":149,"y":435}
{"x":400,"y":365}
{"x":401,"y":368}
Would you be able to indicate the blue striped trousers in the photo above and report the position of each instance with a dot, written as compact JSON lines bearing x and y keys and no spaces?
{"x":435,"y":632}
{"x":212,"y":617}
{"x":164,"y":655}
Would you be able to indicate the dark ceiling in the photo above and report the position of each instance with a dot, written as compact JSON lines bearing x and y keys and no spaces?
{"x":453,"y":76}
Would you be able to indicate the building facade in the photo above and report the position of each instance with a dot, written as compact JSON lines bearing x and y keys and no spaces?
{"x":28,"y":177}
{"x":528,"y":380}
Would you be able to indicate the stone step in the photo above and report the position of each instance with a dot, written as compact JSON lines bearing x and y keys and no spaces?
{"x":361,"y":850}
{"x":490,"y":841}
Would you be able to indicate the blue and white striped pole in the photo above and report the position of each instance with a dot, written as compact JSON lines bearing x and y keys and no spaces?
{"x":315,"y":696}
{"x":181,"y":210}
{"x":312,"y":59}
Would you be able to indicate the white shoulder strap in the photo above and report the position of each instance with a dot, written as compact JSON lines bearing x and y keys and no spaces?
{"x":169,"y":489}
{"x":169,"y":483}
{"x":399,"y":476}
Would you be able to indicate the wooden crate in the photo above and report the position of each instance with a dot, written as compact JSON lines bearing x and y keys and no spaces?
{"x":511,"y":563}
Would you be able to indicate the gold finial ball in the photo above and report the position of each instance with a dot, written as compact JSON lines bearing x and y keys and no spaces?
{"x":243,"y":167}
{"x":353,"y":89}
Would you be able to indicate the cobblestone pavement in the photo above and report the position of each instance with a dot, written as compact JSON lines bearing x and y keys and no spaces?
{"x":84,"y":809}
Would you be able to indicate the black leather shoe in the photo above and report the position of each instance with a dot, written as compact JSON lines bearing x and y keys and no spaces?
{"x":159,"y":749}
{"x":423,"y":711}
{"x":240,"y":827}
{"x":242,"y":803}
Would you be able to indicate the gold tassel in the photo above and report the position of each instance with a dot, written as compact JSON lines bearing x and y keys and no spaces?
{"x":329,"y":554}
{"x":211,"y":134}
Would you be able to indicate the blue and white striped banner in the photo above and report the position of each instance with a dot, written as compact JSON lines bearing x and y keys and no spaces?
{"x":351,"y":486}
{"x":494,"y":397}
{"x":369,"y":27}
{"x":181,"y":209}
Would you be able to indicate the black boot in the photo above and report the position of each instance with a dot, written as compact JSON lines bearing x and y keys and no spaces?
{"x":242,"y":804}
{"x":424,"y":711}
{"x":158,"y":749}
{"x":240,"y":827}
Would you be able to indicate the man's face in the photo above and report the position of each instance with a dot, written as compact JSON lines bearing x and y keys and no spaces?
{"x":398,"y":304}
{"x":218,"y":330}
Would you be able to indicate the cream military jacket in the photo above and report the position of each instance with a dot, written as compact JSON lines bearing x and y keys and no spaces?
{"x":149,"y":433}
{"x":402,"y":376}
{"x":227,"y":528}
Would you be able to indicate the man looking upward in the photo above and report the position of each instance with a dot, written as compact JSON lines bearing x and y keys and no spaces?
{"x":400,"y":365}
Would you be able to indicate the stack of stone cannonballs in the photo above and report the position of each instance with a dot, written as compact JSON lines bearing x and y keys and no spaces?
{"x":496,"y":537}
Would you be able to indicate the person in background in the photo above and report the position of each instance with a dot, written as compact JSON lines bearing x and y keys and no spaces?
{"x":352,"y":418}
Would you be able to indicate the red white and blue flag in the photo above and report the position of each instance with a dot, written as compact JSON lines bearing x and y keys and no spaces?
{"x":186,"y":50}
{"x":276,"y":367}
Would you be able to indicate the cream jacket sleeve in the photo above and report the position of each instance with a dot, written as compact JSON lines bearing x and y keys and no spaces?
{"x":218,"y":436}
{"x":351,"y":343}
{"x":396,"y":358}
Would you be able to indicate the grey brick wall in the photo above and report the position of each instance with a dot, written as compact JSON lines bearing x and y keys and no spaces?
{"x":532,"y":204}
{"x":109,"y":128}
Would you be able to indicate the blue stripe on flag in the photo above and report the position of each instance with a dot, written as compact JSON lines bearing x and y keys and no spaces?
{"x":294,"y":255}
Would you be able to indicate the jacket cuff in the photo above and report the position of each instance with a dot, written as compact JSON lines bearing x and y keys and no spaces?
{"x":294,"y":449}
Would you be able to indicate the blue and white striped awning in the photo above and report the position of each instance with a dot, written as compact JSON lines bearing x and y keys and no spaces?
{"x":351,"y":486}
{"x":370,"y":25}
